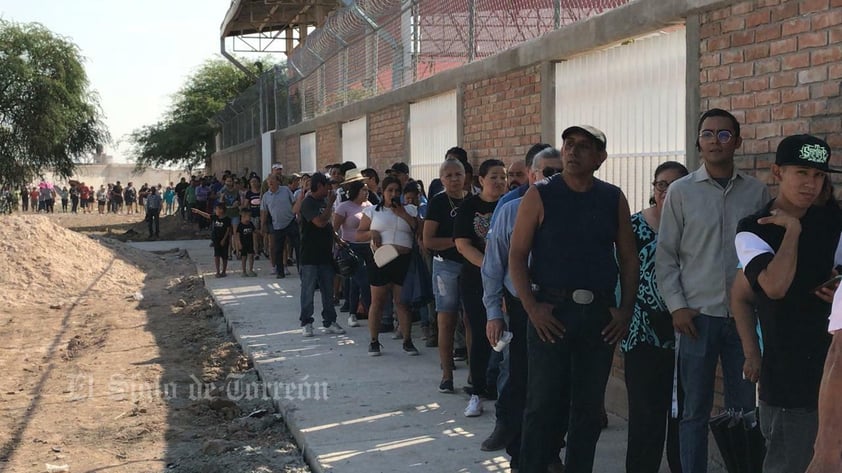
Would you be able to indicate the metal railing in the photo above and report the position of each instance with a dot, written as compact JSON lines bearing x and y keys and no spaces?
{"x":369,"y":47}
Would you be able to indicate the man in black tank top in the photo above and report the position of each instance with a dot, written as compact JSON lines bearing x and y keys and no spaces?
{"x":571,"y":223}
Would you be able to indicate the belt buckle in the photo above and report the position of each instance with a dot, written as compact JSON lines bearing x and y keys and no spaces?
{"x":582,"y":296}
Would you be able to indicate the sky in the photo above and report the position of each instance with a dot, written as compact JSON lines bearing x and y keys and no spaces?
{"x":138,"y":53}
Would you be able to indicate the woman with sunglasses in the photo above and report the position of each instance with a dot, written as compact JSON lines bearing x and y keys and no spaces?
{"x":649,"y":346}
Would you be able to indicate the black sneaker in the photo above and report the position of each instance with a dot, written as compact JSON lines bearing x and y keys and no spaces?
{"x":460,"y":354}
{"x":409,"y":348}
{"x":374,"y":348}
{"x":446,"y":386}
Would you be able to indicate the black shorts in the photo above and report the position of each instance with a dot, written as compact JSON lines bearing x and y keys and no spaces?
{"x":220,"y":251}
{"x":247,"y":249}
{"x":392,"y":273}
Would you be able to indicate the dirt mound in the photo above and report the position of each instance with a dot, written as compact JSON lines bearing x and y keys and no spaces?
{"x":51,"y":265}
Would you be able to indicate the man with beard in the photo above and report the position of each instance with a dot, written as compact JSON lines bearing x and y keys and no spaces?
{"x":517,"y":175}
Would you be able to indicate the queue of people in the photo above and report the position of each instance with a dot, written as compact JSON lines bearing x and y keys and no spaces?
{"x":557,"y":272}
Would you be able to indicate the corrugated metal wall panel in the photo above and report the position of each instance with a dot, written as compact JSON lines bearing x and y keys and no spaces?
{"x":355,"y":142}
{"x":308,"y":152}
{"x":634,"y":93}
{"x":432,"y":131}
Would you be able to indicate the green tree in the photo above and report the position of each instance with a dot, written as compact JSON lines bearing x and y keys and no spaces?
{"x":185,"y":137}
{"x":48,"y":115}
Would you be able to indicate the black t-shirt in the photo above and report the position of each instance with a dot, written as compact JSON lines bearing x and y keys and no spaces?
{"x":316,"y":243}
{"x":253,"y":200}
{"x":794,"y":329}
{"x":180,"y":188}
{"x":117,"y":193}
{"x":472,"y":221}
{"x":443,"y":210}
{"x":246,"y":233}
{"x":219,"y":228}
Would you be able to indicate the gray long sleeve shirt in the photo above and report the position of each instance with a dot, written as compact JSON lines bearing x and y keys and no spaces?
{"x":696,"y":260}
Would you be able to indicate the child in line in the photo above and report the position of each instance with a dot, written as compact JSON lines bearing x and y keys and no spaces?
{"x":245,"y":241}
{"x":220,"y":236}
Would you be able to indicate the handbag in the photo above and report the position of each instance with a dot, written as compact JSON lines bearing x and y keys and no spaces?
{"x":346,"y":261}
{"x":417,"y":290}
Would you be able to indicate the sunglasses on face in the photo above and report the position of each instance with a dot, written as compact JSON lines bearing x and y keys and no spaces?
{"x":548,"y":171}
{"x":723,"y":136}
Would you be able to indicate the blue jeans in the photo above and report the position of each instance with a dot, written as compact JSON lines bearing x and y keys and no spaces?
{"x":280,"y":238}
{"x":581,"y":361}
{"x":716,"y":339}
{"x":360,"y":289}
{"x":323,"y":274}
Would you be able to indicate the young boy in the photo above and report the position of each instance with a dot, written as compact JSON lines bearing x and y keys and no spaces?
{"x":220,"y":236}
{"x":245,"y":241}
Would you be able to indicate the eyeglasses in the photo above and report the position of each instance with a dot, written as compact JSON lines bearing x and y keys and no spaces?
{"x":661,"y":186}
{"x":723,"y":136}
{"x":548,"y":171}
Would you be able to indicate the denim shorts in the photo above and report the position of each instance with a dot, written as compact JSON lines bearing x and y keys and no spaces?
{"x":446,"y":285}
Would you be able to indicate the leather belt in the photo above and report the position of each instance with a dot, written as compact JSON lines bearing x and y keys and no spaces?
{"x":579,"y":296}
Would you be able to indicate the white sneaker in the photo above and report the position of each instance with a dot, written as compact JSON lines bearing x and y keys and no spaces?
{"x":352,"y":321}
{"x":307,"y":330}
{"x":474,"y":408}
{"x":334,"y":328}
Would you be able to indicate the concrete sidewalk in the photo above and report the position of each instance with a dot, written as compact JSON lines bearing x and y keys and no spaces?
{"x":381,"y":414}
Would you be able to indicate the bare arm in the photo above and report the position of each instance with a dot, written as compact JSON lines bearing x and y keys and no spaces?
{"x":629,"y":275}
{"x":469,"y":251}
{"x":432,"y":242}
{"x":742,"y":307}
{"x":200,"y":213}
{"x":777,"y":277}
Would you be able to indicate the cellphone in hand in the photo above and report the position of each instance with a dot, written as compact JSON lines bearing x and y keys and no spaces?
{"x":396,"y":201}
{"x":829,"y":283}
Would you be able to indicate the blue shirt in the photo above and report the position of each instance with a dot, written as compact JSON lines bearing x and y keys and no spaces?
{"x":508,"y":197}
{"x":495,"y":263}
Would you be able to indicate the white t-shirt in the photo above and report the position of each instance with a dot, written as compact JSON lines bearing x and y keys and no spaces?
{"x":393,"y":229}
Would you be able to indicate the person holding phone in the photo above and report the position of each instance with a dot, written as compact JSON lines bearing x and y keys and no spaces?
{"x":395,"y":226}
{"x":788,"y":250}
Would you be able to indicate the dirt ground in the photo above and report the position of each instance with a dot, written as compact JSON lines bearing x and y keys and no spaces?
{"x":115,"y":359}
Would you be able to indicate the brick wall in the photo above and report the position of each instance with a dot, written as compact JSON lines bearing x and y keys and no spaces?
{"x":387,"y":134}
{"x":328,"y":145}
{"x":502,"y":115}
{"x":291,"y":154}
{"x":777,"y":65}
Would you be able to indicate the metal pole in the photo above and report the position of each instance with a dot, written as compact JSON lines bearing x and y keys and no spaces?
{"x":471,"y":32}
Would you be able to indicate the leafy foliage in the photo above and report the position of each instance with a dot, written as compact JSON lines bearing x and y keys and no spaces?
{"x":185,"y":137}
{"x":48,"y":115}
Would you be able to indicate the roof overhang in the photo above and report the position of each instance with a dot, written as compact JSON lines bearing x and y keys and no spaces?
{"x":246,"y":17}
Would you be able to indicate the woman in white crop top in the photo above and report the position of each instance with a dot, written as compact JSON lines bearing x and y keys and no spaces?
{"x":389,"y":223}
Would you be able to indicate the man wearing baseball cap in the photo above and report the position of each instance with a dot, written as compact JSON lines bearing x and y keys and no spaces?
{"x":787,"y":250}
{"x":571,"y":224}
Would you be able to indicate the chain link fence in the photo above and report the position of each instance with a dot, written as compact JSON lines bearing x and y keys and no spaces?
{"x":369,"y":47}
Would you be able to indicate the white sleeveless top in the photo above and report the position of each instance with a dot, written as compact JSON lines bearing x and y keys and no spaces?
{"x":393,"y":229}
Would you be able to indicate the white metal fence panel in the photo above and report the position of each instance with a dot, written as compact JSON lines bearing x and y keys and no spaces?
{"x":307,"y":147}
{"x":355,"y":142}
{"x":266,"y":144}
{"x":635,"y":93}
{"x":432,"y":131}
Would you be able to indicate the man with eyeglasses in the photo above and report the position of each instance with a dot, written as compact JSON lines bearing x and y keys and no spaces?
{"x":571,"y":224}
{"x":497,"y":287}
{"x":695,"y":264}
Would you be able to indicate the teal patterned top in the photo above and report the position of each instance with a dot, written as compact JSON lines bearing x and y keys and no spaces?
{"x":648,"y":324}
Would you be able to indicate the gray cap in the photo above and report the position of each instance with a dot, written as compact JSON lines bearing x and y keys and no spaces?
{"x":588,"y":130}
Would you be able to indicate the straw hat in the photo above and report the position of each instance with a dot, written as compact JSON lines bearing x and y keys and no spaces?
{"x":353,"y":175}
